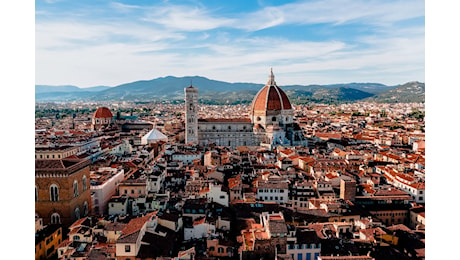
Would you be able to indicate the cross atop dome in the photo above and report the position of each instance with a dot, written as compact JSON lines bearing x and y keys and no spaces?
{"x":271,"y":78}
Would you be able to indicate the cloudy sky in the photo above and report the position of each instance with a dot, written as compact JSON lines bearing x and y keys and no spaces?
{"x":89,"y":42}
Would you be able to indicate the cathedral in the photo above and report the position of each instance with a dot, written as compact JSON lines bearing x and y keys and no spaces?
{"x":271,"y":122}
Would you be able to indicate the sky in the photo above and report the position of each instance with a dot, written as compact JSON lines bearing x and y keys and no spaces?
{"x":91,"y":43}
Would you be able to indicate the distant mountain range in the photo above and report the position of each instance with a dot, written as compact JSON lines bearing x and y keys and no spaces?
{"x":219,"y":92}
{"x":67,"y":89}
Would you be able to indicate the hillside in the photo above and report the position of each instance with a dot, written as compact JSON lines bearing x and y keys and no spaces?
{"x":408,"y":92}
{"x":220,"y":92}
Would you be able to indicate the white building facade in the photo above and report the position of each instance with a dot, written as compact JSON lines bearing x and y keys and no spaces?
{"x":101,"y":192}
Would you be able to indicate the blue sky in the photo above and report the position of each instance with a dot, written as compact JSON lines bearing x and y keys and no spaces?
{"x":90,"y":43}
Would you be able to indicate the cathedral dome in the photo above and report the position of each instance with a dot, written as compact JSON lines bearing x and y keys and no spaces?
{"x":270,"y":98}
{"x":102,"y":112}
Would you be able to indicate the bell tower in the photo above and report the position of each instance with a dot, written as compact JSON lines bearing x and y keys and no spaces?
{"x":191,"y":115}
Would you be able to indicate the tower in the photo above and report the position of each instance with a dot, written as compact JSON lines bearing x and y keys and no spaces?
{"x":62,"y":190}
{"x":191,"y":115}
{"x":347,"y":189}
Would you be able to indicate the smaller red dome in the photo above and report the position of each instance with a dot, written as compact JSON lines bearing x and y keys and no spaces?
{"x":102,"y":112}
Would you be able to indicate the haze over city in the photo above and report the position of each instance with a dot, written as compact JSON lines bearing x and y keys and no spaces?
{"x":88,"y":43}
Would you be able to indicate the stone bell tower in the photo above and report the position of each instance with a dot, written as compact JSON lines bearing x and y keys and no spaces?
{"x":191,"y":115}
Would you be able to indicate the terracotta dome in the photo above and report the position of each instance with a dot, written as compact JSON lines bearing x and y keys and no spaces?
{"x":270,"y":97}
{"x":102,"y":112}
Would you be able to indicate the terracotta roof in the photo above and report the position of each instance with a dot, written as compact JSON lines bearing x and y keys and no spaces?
{"x":135,"y":225}
{"x":102,"y":112}
{"x":199,"y":221}
{"x":232,"y":182}
{"x":117,"y":226}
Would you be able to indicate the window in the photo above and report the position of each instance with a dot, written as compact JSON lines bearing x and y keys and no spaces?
{"x":55,"y":218}
{"x":83,"y":180}
{"x":274,"y":119}
{"x":36,"y":194}
{"x":77,"y":213}
{"x":211,"y":249}
{"x":85,"y":209}
{"x":127,"y":248}
{"x":54,"y":192}
{"x":76,"y":238}
{"x":75,"y":188}
{"x":220,"y":250}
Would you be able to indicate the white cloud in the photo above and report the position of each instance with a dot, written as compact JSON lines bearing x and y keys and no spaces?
{"x":180,"y":41}
{"x":65,"y":35}
{"x":123,"y":7}
{"x":332,"y":11}
{"x":185,"y":18}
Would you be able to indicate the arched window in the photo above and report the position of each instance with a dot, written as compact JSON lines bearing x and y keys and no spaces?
{"x":77,"y":213}
{"x":220,"y":250}
{"x":83,"y":180}
{"x":211,"y":249}
{"x":54,"y":192}
{"x":55,"y":218}
{"x":75,"y":188}
{"x":85,"y":209}
{"x":36,"y":194}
